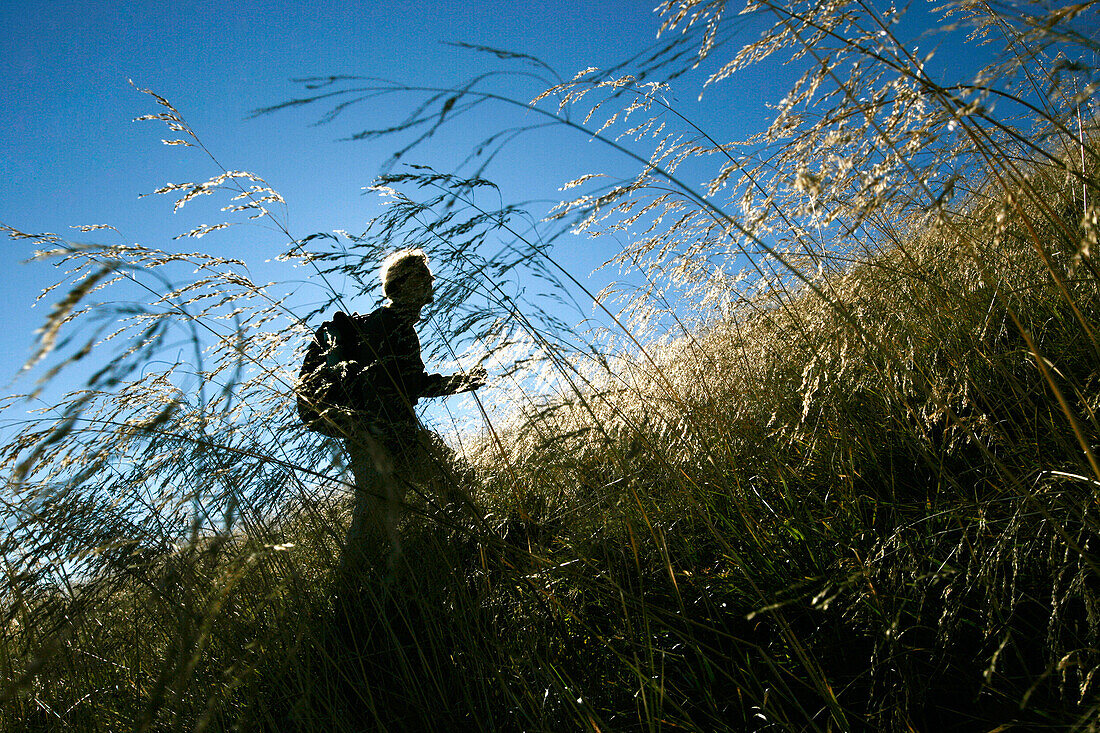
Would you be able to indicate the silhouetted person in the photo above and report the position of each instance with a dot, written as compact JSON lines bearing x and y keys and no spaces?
{"x":383,"y":377}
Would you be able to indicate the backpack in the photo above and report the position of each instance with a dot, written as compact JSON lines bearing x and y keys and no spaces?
{"x":328,"y":370}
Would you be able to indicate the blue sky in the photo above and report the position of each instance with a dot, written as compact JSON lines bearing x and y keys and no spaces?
{"x":70,"y":154}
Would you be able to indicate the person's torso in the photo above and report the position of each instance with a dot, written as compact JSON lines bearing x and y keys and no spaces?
{"x":389,"y":349}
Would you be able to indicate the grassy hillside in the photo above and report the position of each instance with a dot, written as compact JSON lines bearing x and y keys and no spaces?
{"x":879,"y":510}
{"x":832,"y":467}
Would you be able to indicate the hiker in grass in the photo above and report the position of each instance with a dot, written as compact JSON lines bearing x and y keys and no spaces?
{"x":381,"y":377}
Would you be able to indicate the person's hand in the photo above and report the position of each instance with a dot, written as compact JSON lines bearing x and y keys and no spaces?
{"x":456,"y":383}
{"x":475,"y":378}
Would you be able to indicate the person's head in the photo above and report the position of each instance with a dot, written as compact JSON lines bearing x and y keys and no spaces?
{"x":406,"y":278}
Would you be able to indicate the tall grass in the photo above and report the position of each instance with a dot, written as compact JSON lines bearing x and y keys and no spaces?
{"x":829,"y":464}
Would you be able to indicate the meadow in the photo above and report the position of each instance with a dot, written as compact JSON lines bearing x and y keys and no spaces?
{"x":828,"y":462}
